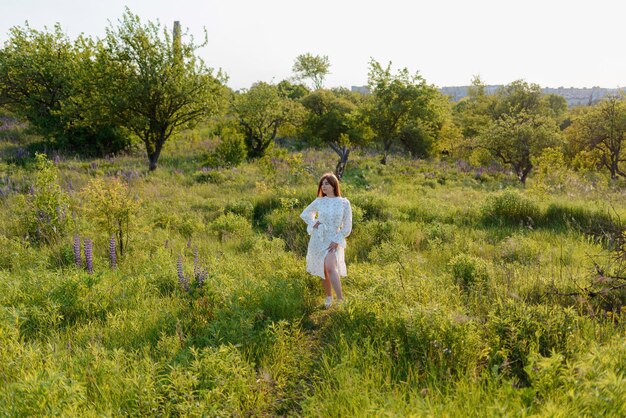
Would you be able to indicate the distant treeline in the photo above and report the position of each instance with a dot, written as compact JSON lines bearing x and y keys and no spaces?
{"x":143,"y":83}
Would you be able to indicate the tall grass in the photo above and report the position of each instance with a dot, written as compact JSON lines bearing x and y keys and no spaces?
{"x":458,"y":294}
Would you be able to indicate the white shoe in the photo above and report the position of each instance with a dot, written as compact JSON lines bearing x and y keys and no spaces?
{"x":329,"y":301}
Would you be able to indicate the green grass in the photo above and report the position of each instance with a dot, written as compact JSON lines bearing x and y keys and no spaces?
{"x":455,"y":294}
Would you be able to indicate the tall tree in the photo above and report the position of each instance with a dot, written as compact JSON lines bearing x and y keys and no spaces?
{"x":313,"y":67}
{"x":401,"y":106}
{"x":155,"y":84}
{"x":261,"y":112}
{"x":44,"y":78}
{"x":333,"y":120}
{"x":521,"y":126}
{"x":602,"y":128}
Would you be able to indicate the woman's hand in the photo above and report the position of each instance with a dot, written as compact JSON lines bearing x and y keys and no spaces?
{"x":333,"y":247}
{"x":316,"y":224}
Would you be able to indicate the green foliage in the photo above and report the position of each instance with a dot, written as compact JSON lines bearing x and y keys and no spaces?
{"x":261,"y":112}
{"x":46,"y":81}
{"x":455,"y":304}
{"x":46,"y":213}
{"x":230,"y":226}
{"x":154,"y":85}
{"x":510,"y":208}
{"x":111,"y":205}
{"x":400,"y":104}
{"x":468,"y":271}
{"x":230,"y":152}
{"x":602,"y":129}
{"x":519,"y":330}
{"x":314,"y":67}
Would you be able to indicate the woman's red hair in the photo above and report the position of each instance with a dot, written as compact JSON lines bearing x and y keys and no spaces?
{"x":332,"y":180}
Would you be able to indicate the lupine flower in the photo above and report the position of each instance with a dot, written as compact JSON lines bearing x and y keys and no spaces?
{"x":184,"y":282}
{"x":89,"y":255}
{"x":201,"y":276}
{"x":77,"y":250}
{"x":189,"y":243}
{"x":112,"y":253}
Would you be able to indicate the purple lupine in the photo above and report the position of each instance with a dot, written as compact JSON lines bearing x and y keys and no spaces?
{"x":189,"y":243}
{"x":201,"y":276}
{"x":184,"y":282}
{"x":77,"y":251}
{"x":89,"y":255}
{"x":112,"y":253}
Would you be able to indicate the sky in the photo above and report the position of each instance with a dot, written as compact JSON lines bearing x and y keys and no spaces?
{"x":554,"y":43}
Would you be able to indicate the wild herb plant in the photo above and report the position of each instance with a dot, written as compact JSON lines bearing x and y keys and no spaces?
{"x":112,"y":206}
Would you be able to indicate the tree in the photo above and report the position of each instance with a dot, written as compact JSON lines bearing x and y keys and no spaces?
{"x":154,"y":84}
{"x":401,"y":106}
{"x":333,"y":120}
{"x":261,"y":111}
{"x":516,"y":139}
{"x":292,"y":91}
{"x":602,"y":129}
{"x":44,"y":80}
{"x":313,"y":67}
{"x":521,"y":126}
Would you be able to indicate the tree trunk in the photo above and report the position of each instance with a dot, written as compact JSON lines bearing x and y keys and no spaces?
{"x":387,"y":147}
{"x":343,"y":160}
{"x":154,"y":156}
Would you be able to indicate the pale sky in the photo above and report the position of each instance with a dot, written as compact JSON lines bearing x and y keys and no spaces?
{"x":569,"y":43}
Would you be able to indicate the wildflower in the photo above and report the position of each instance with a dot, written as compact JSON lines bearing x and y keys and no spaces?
{"x":77,"y":250}
{"x":184,"y":282}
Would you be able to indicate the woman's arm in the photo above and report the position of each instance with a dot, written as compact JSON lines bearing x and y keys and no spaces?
{"x":308,"y":215}
{"x":346,"y":224}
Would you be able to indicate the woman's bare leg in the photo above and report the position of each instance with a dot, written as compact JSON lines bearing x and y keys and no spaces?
{"x":326,"y":283}
{"x":330,"y":269}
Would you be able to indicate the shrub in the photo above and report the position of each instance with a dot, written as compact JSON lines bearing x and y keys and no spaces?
{"x":229,"y":226}
{"x":514,"y":330}
{"x":510,"y":208}
{"x":243,"y":208}
{"x":597,"y":223}
{"x":287,"y":225}
{"x":518,"y":249}
{"x":46,"y":217}
{"x":230,"y":152}
{"x":111,"y":205}
{"x":209,"y":176}
{"x":468,"y":270}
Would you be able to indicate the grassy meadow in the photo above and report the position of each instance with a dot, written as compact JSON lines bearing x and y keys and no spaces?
{"x":466,"y":295}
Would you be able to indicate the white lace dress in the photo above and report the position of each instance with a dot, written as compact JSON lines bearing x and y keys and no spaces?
{"x":335,"y":217}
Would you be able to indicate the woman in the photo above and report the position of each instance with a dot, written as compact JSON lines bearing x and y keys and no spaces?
{"x":329,"y":220}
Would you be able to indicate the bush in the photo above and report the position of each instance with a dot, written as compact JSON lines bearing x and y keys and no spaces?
{"x":111,"y":205}
{"x":231,"y":226}
{"x":287,"y":225}
{"x":515,"y":330}
{"x":468,"y":270}
{"x":243,"y":208}
{"x":209,"y":176}
{"x":230,"y":152}
{"x":510,"y":208}
{"x":46,"y":217}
